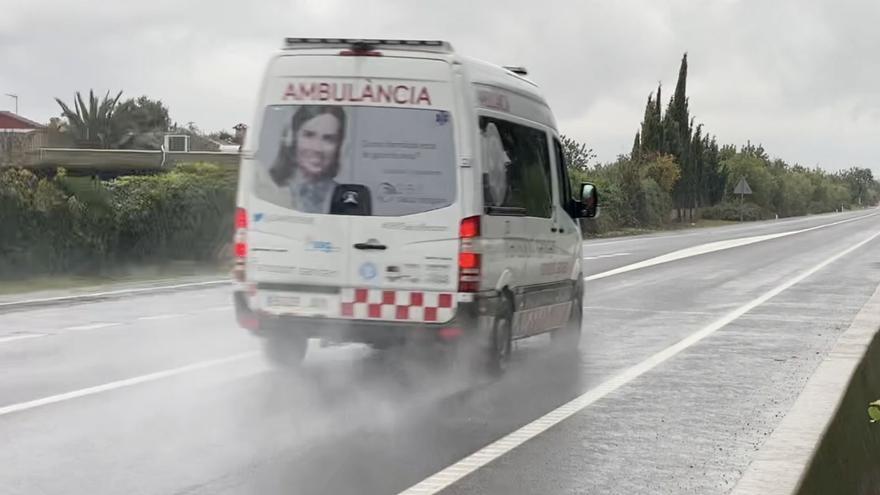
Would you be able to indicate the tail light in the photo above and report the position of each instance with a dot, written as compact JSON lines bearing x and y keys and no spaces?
{"x":241,"y":223}
{"x":469,"y":261}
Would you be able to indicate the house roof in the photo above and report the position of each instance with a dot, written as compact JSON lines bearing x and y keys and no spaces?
{"x":25,"y":121}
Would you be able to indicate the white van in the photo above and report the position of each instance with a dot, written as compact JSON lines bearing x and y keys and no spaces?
{"x":393,"y":191}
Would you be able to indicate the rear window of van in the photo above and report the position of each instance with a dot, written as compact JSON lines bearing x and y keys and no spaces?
{"x":310,"y":157}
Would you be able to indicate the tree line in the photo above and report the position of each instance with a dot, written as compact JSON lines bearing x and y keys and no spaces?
{"x":678,"y":171}
{"x":135,"y":123}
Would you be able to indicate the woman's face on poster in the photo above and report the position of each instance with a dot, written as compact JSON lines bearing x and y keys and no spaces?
{"x":317,"y":145}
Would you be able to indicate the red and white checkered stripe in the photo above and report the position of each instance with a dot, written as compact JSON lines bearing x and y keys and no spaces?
{"x":397,"y":305}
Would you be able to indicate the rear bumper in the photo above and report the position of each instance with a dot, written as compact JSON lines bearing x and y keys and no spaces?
{"x":471,"y":317}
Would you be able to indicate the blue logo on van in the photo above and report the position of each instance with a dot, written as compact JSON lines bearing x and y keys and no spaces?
{"x":258,"y":217}
{"x":321,"y":246}
{"x":368,"y":271}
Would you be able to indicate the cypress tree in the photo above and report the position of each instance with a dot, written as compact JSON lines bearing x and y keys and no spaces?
{"x":677,"y":134}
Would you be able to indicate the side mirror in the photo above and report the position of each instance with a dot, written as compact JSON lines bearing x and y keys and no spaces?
{"x":588,"y":204}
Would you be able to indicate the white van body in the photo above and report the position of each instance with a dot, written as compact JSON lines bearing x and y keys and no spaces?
{"x":392,"y":191}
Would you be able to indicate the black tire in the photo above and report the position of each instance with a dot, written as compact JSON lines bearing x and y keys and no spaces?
{"x":497,"y":355}
{"x":568,"y":338}
{"x":286,"y":351}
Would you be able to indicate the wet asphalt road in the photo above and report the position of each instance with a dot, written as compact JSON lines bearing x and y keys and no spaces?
{"x":361,"y":421}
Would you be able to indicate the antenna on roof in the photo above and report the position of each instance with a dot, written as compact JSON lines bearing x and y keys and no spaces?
{"x":520,"y":71}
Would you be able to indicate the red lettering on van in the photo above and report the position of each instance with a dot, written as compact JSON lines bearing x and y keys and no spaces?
{"x":384,"y":94}
{"x":305,"y":91}
{"x":397,"y":97}
{"x":290,"y":92}
{"x":344,"y":94}
{"x":349,"y":92}
{"x":323,"y":92}
{"x":424,"y":97}
{"x":495,"y":101}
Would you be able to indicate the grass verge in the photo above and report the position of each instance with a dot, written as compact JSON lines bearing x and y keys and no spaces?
{"x":664,"y":228}
{"x":132,"y":275}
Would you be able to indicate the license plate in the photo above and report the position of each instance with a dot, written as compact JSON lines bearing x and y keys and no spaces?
{"x":302,"y":304}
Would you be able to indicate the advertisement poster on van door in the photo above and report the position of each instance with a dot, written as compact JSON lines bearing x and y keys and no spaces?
{"x":383,"y":161}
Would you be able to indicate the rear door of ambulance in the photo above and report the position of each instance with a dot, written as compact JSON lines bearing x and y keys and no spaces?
{"x":384,"y":245}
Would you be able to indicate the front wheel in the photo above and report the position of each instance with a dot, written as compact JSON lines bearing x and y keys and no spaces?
{"x":567,"y":338}
{"x":286,"y":351}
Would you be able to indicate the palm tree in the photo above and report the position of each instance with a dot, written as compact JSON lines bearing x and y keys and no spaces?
{"x":91,"y":126}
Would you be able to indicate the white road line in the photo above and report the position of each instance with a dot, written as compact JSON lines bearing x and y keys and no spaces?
{"x":600,"y":256}
{"x":711,"y":247}
{"x":228,"y":307}
{"x":13,"y":338}
{"x":650,"y":311}
{"x":450,"y":475}
{"x":673,"y":235}
{"x":636,"y":238}
{"x":128,"y":382}
{"x":161,"y":317}
{"x":93,"y":326}
{"x":115,"y":293}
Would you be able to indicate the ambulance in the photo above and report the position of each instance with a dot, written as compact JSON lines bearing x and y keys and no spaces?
{"x":395,"y":192}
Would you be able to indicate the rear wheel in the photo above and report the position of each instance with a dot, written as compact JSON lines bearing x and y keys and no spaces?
{"x":501,"y":340}
{"x":286,"y":351}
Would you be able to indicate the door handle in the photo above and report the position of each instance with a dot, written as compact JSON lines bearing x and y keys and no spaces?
{"x":554,"y":229}
{"x":370,"y":246}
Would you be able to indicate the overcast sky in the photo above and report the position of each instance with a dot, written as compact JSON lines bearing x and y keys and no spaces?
{"x":799,"y":76}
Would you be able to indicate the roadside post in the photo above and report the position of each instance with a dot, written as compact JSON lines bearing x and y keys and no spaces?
{"x":742,"y":188}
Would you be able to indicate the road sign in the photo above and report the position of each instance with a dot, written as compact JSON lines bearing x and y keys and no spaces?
{"x":742,"y":187}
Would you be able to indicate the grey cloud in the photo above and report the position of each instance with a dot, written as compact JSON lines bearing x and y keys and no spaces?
{"x":798,"y":76}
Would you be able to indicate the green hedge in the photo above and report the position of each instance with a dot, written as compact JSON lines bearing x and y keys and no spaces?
{"x":731,"y":211}
{"x":64,"y":224}
{"x":648,"y":206}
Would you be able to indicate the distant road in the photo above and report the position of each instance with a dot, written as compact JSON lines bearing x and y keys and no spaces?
{"x":695,"y":344}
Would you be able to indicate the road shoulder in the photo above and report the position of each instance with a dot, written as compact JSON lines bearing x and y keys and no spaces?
{"x":781,"y":463}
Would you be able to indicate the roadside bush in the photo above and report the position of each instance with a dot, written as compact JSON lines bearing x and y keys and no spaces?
{"x":183,"y":214}
{"x":77,"y":225}
{"x":731,"y":211}
{"x":614,"y":210}
{"x":626,"y":199}
{"x":654,"y":204}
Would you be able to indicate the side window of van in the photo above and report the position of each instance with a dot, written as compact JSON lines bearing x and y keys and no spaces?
{"x":516,"y":169}
{"x":565,"y":194}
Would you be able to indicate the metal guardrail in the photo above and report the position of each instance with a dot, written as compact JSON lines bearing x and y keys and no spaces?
{"x":90,"y":160}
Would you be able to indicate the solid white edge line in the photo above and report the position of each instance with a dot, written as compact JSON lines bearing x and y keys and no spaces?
{"x":92,"y":326}
{"x":692,"y":232}
{"x":712,"y":247}
{"x":227,"y":307}
{"x":14,"y":338}
{"x":23,"y":406}
{"x":119,"y":292}
{"x":470,"y":464}
{"x":160,"y":317}
{"x":601,"y":256}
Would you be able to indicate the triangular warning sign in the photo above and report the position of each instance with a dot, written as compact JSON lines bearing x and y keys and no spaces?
{"x":742,"y":187}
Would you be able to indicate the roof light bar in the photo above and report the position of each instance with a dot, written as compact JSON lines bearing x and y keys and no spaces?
{"x":419,"y":45}
{"x":520,"y":71}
